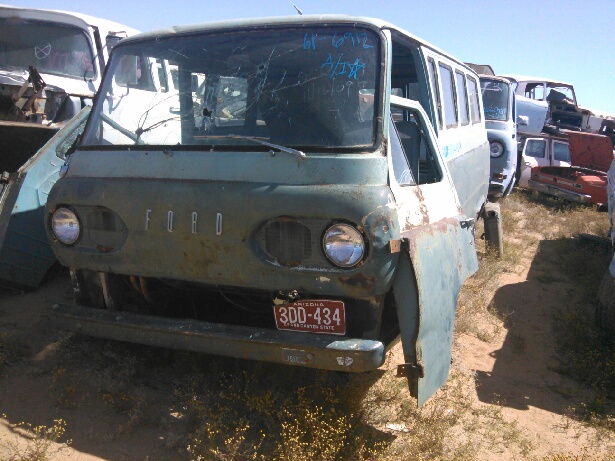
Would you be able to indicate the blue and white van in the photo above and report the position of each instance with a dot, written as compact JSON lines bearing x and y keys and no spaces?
{"x":306,"y":194}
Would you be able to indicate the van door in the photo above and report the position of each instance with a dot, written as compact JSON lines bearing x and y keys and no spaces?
{"x":437,"y":242}
{"x":534,"y":154}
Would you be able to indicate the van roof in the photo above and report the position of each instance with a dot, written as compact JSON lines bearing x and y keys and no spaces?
{"x":281,"y":21}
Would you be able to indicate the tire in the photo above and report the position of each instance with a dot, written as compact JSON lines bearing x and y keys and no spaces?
{"x":605,"y":310}
{"x":494,"y":236}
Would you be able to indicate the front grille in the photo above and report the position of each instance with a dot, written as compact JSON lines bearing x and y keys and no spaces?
{"x":288,"y":242}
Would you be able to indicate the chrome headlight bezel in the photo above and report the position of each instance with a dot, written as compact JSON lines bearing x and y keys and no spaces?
{"x":496,"y":149}
{"x":65,"y":226}
{"x":343,"y":245}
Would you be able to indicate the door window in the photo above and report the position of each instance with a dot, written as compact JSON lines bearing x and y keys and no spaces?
{"x":414,"y":161}
{"x":535,"y":148}
{"x":561,"y":152}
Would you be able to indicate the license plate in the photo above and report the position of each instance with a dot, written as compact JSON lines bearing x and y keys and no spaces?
{"x":312,"y":315}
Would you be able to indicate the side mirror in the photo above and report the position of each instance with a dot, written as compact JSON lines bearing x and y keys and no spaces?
{"x":522,"y":120}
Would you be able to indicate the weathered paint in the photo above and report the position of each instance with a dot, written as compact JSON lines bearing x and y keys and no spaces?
{"x":194,"y":216}
{"x":308,"y":350}
{"x":25,"y":251}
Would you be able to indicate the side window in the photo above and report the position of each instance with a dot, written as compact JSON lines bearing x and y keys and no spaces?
{"x":401,"y":167}
{"x":535,"y":148}
{"x":417,"y":163}
{"x":448,"y":95}
{"x":473,"y":94}
{"x":561,"y":152}
{"x":535,"y":91}
{"x":435,"y":89}
{"x":462,"y":98}
{"x":134,"y":73}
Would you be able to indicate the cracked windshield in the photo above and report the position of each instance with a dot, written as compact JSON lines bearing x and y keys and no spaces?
{"x":299,"y":87}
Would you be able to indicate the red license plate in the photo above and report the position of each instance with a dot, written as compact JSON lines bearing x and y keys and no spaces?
{"x":312,"y":315}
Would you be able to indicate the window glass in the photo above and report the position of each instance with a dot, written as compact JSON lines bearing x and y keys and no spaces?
{"x":401,"y":168}
{"x":298,"y":87}
{"x":495,"y":99}
{"x":561,"y":152}
{"x":462,"y":98}
{"x":435,"y":89}
{"x":51,"y":47}
{"x":448,"y":95}
{"x":474,"y":105}
{"x":418,"y":153}
{"x":535,"y":148}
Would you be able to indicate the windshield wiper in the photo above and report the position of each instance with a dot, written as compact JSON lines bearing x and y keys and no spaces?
{"x":288,"y":150}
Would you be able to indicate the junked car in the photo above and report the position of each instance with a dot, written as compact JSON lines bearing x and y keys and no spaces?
{"x":500,"y":120}
{"x":306,"y":195}
{"x":546,"y":104}
{"x":541,"y":151}
{"x":51,"y":64}
{"x":585,"y":179}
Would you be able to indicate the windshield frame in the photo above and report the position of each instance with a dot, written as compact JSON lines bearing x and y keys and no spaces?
{"x":379,"y":75}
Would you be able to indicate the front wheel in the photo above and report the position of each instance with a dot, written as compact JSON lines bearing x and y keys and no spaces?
{"x":494,"y":236}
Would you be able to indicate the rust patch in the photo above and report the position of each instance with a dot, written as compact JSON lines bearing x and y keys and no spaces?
{"x":359,"y":280}
{"x":422,"y":207}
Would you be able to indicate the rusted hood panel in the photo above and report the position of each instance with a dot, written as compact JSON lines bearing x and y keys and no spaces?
{"x":590,"y":150}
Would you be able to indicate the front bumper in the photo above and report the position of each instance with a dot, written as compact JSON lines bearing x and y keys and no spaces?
{"x":310,"y":350}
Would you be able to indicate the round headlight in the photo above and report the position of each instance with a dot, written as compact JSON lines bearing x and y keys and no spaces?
{"x":65,"y":226}
{"x":497,"y":149}
{"x":343,"y":245}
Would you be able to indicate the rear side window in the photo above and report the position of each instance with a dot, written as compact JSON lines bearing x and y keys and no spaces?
{"x":448,"y":95}
{"x":464,"y":114}
{"x":435,"y":89}
{"x":535,"y":148}
{"x":561,"y":152}
{"x":473,"y":95}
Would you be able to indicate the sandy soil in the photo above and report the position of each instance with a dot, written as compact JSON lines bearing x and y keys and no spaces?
{"x":515,"y":371}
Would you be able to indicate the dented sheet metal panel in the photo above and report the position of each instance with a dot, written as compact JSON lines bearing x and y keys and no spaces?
{"x":442,"y":257}
{"x":437,"y":255}
{"x":25,"y":252}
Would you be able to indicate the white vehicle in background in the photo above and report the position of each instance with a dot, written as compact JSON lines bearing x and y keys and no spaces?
{"x":544,"y":102}
{"x":543,"y":150}
{"x":51,"y":65}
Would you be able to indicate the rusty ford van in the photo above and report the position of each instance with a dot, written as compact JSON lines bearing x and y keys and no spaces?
{"x":304,"y":190}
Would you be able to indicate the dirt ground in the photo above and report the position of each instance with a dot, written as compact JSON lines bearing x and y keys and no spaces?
{"x":515,"y":372}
